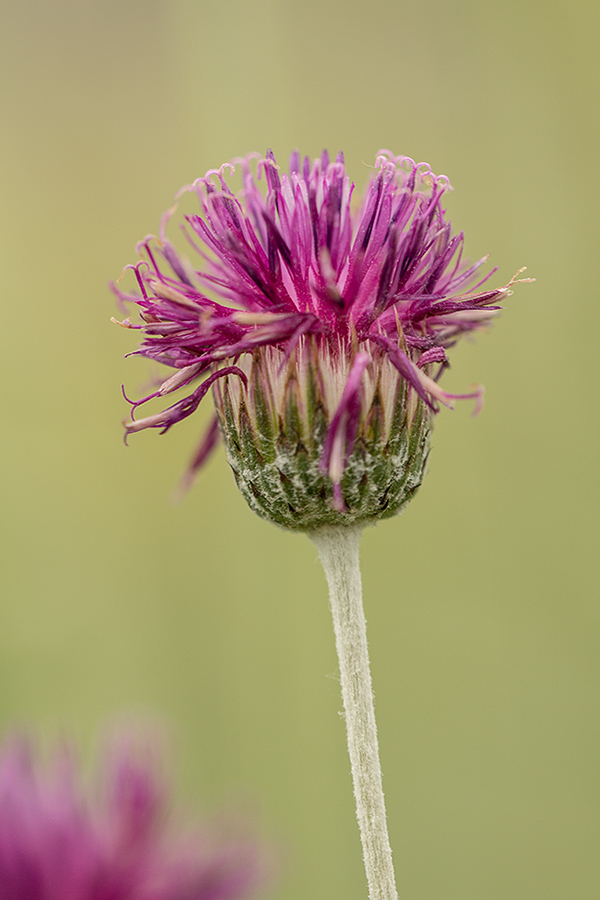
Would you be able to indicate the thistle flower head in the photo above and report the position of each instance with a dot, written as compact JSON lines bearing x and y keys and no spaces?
{"x":58,"y":844}
{"x":321,"y":330}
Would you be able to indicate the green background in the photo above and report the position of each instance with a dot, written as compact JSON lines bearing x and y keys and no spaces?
{"x":482,"y":599}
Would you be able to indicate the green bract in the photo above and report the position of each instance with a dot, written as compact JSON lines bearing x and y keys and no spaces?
{"x":275,"y":428}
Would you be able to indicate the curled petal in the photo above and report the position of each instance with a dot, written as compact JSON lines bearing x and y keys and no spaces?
{"x":184,"y":408}
{"x":434,"y":354}
{"x":342,"y":431}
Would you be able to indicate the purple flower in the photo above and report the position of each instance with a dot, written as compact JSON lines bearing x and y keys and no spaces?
{"x":321,"y":331}
{"x":57,"y":844}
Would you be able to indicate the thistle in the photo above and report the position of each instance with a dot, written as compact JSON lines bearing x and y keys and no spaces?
{"x":322,"y":332}
{"x":60,"y":842}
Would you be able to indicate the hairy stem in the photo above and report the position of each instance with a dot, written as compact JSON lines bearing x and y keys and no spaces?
{"x":338,"y":550}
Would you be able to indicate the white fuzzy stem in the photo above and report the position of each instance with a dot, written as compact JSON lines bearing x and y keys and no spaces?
{"x":338,"y":550}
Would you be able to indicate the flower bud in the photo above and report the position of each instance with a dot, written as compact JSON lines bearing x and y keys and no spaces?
{"x":321,"y":331}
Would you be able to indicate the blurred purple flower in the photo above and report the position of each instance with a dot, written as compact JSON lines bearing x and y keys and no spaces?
{"x":57,"y":844}
{"x":300,"y":305}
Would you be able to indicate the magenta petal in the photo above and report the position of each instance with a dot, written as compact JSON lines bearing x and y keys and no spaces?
{"x":341,"y":433}
{"x":58,"y":840}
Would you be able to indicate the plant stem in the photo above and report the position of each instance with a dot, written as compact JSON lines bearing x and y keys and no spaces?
{"x":338,"y":550}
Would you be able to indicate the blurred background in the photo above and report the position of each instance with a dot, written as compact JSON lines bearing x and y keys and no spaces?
{"x":482,"y":599}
